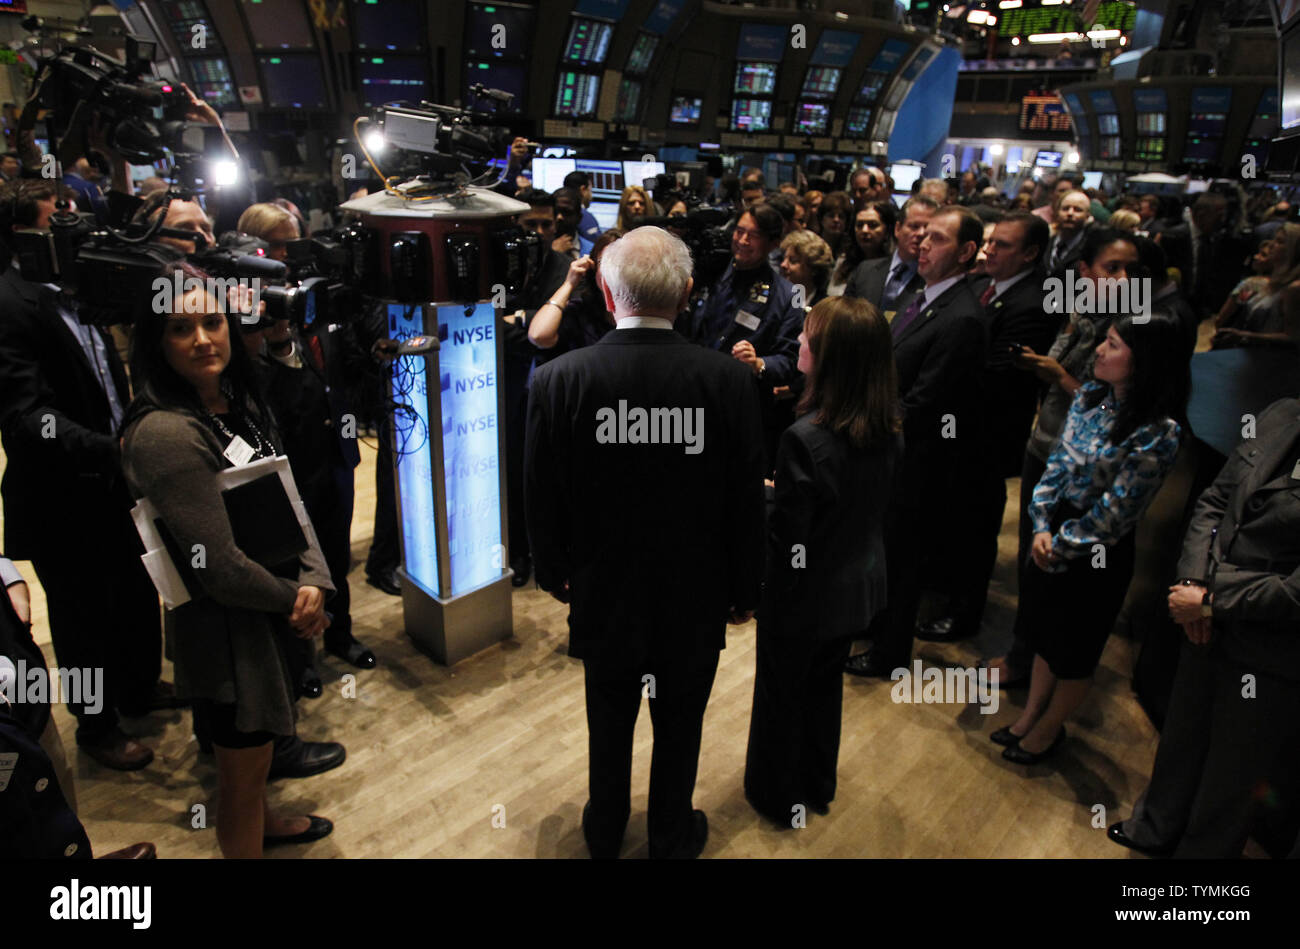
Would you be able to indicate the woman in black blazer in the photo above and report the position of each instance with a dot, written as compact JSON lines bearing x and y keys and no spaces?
{"x":835,"y":470}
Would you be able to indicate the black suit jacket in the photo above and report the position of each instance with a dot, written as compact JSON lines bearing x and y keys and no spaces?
{"x":867,"y":282}
{"x":1244,"y":538}
{"x":63,"y":471}
{"x":831,"y":500}
{"x":940,"y":358}
{"x":1071,"y":257}
{"x":656,"y":544}
{"x":1011,"y":393}
{"x":1206,"y":282}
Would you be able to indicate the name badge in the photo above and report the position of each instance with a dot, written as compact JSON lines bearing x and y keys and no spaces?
{"x":239,"y":452}
{"x":747,"y":320}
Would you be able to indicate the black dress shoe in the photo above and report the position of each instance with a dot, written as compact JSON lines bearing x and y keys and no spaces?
{"x":386,"y":581}
{"x":945,"y":630}
{"x":869,"y":666}
{"x":1005,"y":737}
{"x":309,"y":684}
{"x":1020,"y":756}
{"x":819,"y":807}
{"x":352,"y":652}
{"x":1116,"y":833}
{"x":295,"y":758}
{"x":782,"y":819}
{"x":598,"y":850}
{"x":318,"y":828}
{"x":118,"y":751}
{"x":523,"y":570}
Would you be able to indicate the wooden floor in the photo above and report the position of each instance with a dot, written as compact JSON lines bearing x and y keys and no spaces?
{"x":489,"y":759}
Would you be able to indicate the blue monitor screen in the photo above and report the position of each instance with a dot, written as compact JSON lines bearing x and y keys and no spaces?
{"x":293,"y":82}
{"x":387,"y":24}
{"x":278,"y":24}
{"x":412,"y":446}
{"x":685,"y":110}
{"x":392,"y":78}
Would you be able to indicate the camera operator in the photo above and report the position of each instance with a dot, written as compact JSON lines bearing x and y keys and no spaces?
{"x":588,"y":226}
{"x":63,"y":390}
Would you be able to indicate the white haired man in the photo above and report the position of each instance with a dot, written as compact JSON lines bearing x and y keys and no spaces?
{"x":643,"y":489}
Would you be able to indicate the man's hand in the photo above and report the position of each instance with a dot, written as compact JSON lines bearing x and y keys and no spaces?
{"x":562,"y":244}
{"x":518,"y":156}
{"x":1199,"y":631}
{"x":240,"y":299}
{"x":200,"y":111}
{"x":1185,"y":602}
{"x":744,"y":351}
{"x":308,"y":616}
{"x":1044,"y":367}
{"x":21,"y":598}
{"x":1041,"y":550}
{"x":577,"y":270}
{"x":740,"y":619}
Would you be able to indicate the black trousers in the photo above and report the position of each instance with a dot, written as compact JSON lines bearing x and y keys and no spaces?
{"x":614,"y":690}
{"x":1020,"y":657}
{"x":794,"y":728}
{"x":1219,"y":755}
{"x":385,"y":554}
{"x":104,"y":614}
{"x":972,"y":567}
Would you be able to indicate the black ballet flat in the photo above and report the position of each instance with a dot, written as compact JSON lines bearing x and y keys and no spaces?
{"x":319,"y":827}
{"x":354,"y":653}
{"x":1020,"y":756}
{"x":1005,"y":737}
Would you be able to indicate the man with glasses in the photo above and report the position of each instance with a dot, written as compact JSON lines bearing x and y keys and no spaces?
{"x":868,"y":184}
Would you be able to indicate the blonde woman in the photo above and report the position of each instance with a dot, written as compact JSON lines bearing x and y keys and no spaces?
{"x":634,"y":203}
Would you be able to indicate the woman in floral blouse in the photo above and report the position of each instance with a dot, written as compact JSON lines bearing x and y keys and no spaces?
{"x":1120,"y":440}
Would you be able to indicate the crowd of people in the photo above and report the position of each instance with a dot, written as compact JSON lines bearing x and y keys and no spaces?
{"x":884,"y":370}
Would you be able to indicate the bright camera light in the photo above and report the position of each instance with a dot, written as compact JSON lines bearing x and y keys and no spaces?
{"x":995,"y":149}
{"x":224,"y":173}
{"x":1072,"y":158}
{"x":375,"y":140}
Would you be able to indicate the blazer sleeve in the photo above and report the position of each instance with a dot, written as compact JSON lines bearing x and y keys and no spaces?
{"x":169,"y":462}
{"x":27,"y":411}
{"x":957,"y":355}
{"x":783,"y":356}
{"x":797,"y":498}
{"x":547,"y":452}
{"x":744,"y":496}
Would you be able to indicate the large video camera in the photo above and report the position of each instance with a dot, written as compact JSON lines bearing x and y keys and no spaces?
{"x":704,"y":231}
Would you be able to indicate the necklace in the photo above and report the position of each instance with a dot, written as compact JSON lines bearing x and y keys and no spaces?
{"x":261,"y":448}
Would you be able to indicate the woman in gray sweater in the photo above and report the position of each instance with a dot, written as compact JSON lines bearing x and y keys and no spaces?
{"x":198,"y":412}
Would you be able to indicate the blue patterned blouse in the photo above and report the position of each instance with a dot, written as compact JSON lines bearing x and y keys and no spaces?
{"x":1112,"y":483}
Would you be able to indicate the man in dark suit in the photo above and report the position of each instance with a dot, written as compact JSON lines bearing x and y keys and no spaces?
{"x":889,"y":284}
{"x":939,"y":349}
{"x":1073,"y":218}
{"x":1011,"y":305}
{"x":644,"y":494}
{"x":1234,"y":717}
{"x":1210,"y":258}
{"x":63,"y":391}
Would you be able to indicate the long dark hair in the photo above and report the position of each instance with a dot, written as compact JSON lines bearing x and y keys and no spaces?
{"x":156,"y":381}
{"x":853,"y":386}
{"x":1159,"y":379}
{"x":853,"y":254}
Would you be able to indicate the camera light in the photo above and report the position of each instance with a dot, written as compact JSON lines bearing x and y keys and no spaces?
{"x":1072,"y":158}
{"x":224,"y":173}
{"x":375,"y":140}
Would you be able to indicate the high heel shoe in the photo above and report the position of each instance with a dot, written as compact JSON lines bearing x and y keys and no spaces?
{"x":1005,"y":737}
{"x":1020,"y":756}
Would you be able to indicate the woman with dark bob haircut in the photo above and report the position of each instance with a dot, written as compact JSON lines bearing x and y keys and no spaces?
{"x":197,"y":411}
{"x":1120,"y":440}
{"x":835,"y":471}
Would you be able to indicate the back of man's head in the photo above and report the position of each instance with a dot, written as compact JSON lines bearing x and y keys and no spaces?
{"x":576,"y":179}
{"x":647,"y":272}
{"x":536,"y":197}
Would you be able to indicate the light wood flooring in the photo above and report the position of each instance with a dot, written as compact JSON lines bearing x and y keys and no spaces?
{"x":488,"y":759}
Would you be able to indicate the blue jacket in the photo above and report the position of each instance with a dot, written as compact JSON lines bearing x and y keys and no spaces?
{"x":766,"y":317}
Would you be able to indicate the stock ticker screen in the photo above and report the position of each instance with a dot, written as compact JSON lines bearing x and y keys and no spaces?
{"x":751,"y":115}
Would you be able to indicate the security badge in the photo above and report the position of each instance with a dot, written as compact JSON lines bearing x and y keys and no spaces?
{"x":758,"y":295}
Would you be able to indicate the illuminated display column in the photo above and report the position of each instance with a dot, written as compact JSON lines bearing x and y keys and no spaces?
{"x":450,"y":480}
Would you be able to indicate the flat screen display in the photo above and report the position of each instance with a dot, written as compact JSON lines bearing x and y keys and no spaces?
{"x":212,"y":81}
{"x":643,"y":53}
{"x":872,"y":83}
{"x":499,"y":29}
{"x":856,"y":121}
{"x":1265,"y":122}
{"x":629,"y":99}
{"x":606,"y":178}
{"x":605,"y":213}
{"x":387,"y":25}
{"x":1043,"y":112}
{"x":822,"y":81}
{"x":1048,"y":160}
{"x":278,"y":24}
{"x":1151,"y":123}
{"x":636,"y":172}
{"x":496,"y":74}
{"x":588,"y":42}
{"x":904,"y":176}
{"x":1201,"y":150}
{"x":293,"y":82}
{"x":755,"y":78}
{"x":751,"y":115}
{"x":576,"y":94}
{"x":1108,"y":124}
{"x":1290,"y":52}
{"x":812,"y":118}
{"x":549,"y":173}
{"x":1092,"y":179}
{"x":392,"y":78}
{"x":685,"y":110}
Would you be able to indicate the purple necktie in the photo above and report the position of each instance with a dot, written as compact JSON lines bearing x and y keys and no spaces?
{"x":907,"y":316}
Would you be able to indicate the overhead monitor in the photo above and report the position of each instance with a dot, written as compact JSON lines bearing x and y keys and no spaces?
{"x":605,"y":213}
{"x":293,"y":81}
{"x":588,"y":42}
{"x":642,"y":55}
{"x":812,"y":118}
{"x":1043,"y":112}
{"x":755,"y":79}
{"x":821,"y":82}
{"x":549,"y":173}
{"x":1151,"y":123}
{"x":1108,"y":123}
{"x":892,"y":52}
{"x":1265,"y":123}
{"x":1048,"y":160}
{"x":392,"y":78}
{"x":751,"y":115}
{"x":576,"y":94}
{"x":606,"y":178}
{"x":1289,"y":53}
{"x":500,"y":30}
{"x":497,"y":74}
{"x":638,"y":172}
{"x":629,"y":100}
{"x":918,"y":63}
{"x":212,"y":81}
{"x":904,"y":176}
{"x":278,"y":24}
{"x":856,"y":121}
{"x":685,"y":110}
{"x":183,"y":16}
{"x":872,"y":84}
{"x":1201,"y":151}
{"x":387,"y":25}
{"x":1103,"y":101}
{"x":1092,"y":179}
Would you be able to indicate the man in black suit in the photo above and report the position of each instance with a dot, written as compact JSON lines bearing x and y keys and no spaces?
{"x":1011,"y":305}
{"x":889,"y":284}
{"x":1073,"y":218}
{"x":1210,"y":258}
{"x":644,"y":494}
{"x":63,"y":391}
{"x":1234,"y":717}
{"x":939,"y":349}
